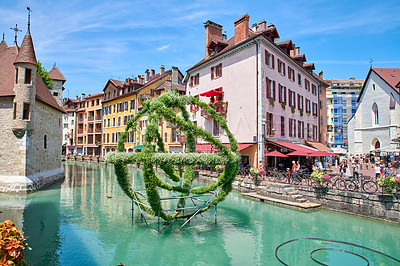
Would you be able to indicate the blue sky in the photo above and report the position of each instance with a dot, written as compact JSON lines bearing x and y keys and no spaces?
{"x":92,"y":40}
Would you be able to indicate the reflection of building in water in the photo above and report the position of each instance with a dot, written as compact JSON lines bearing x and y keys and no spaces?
{"x":12,"y":208}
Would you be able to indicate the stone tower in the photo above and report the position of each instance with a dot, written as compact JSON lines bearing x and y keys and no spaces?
{"x":58,"y":82}
{"x":24,"y":88}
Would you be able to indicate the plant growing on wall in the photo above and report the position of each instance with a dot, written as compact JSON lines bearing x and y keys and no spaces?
{"x":283,"y":104}
{"x":293,"y":109}
{"x":271,"y":101}
{"x":301,"y":112}
{"x":388,"y":183}
{"x":164,"y":108}
{"x":12,"y":244}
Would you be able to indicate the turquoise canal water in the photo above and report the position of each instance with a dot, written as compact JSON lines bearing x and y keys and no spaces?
{"x":86,"y":220}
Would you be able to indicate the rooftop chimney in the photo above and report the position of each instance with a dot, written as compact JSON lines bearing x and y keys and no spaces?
{"x":153,"y":72}
{"x":241,"y":28}
{"x":254,"y":27}
{"x":162,"y":69}
{"x":224,"y":38}
{"x":271,"y":25}
{"x":321,"y":74}
{"x":83,"y":96}
{"x":146,"y":76}
{"x":175,"y":73}
{"x":212,"y":31}
{"x":262,"y":25}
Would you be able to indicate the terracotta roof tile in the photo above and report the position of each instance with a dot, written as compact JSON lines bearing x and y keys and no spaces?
{"x":26,"y":53}
{"x":56,"y":74}
{"x":390,"y":75}
{"x":7,"y":70}
{"x":9,"y":55}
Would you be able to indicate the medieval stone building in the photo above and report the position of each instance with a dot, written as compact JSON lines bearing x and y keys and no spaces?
{"x":30,"y":123}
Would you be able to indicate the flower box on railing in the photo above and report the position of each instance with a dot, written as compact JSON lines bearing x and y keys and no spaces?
{"x":220,"y":107}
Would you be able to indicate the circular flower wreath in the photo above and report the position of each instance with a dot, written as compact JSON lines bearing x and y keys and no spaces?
{"x":164,"y":107}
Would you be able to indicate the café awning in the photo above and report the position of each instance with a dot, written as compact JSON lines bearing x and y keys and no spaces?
{"x":211,"y":93}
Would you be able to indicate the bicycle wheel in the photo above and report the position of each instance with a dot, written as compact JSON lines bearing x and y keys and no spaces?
{"x":340,"y":184}
{"x":296,"y":178}
{"x":369,"y":187}
{"x":351,"y":185}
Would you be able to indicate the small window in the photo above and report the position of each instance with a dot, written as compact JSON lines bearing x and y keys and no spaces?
{"x":45,"y":142}
{"x":25,"y":114}
{"x":16,"y":76}
{"x":55,"y":93}
{"x":28,"y":75}
{"x":15,"y":111}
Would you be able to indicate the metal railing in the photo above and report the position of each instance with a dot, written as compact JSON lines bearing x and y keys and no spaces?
{"x":363,"y":184}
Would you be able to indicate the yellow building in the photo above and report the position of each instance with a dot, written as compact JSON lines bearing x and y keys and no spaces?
{"x":122,"y":101}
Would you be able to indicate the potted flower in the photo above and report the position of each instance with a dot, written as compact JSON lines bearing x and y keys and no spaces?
{"x":257,"y":171}
{"x":293,"y":109}
{"x":220,"y":168}
{"x":389,"y":183}
{"x":301,"y":112}
{"x":12,"y":244}
{"x":283,"y":104}
{"x":271,"y":101}
{"x":320,"y":177}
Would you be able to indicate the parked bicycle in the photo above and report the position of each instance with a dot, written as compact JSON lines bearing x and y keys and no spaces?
{"x":362,"y":184}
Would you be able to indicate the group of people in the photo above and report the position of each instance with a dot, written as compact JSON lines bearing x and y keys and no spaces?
{"x":358,"y":162}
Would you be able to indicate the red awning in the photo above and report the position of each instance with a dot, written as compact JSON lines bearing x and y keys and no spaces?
{"x":275,"y":154}
{"x":206,"y":148}
{"x":299,"y":153}
{"x":211,"y":93}
{"x":322,"y":153}
{"x":291,"y":146}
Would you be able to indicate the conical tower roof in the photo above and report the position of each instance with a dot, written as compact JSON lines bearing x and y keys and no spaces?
{"x":3,"y":44}
{"x":26,"y":53}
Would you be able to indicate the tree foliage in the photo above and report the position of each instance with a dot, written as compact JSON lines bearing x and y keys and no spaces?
{"x":44,"y":74}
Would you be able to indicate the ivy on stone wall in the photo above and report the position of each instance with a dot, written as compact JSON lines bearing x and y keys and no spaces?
{"x":165,"y":107}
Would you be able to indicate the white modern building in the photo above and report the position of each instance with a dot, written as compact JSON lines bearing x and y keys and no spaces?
{"x":376,"y":122}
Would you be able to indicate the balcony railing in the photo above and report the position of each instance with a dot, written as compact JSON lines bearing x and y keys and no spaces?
{"x":220,"y":107}
{"x":91,"y":118}
{"x":98,"y":117}
{"x":80,"y":131}
{"x":90,"y":130}
{"x":80,"y":120}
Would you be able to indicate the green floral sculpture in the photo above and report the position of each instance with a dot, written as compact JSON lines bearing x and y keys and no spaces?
{"x":164,"y":107}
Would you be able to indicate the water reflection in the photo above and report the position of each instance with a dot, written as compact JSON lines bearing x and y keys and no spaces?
{"x":86,"y":220}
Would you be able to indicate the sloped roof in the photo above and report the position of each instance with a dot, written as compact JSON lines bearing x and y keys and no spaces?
{"x":26,"y":53}
{"x":9,"y":55}
{"x":390,"y":75}
{"x":56,"y":74}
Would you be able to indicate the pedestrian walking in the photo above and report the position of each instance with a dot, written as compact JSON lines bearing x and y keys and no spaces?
{"x":377,"y":170}
{"x":356,"y":170}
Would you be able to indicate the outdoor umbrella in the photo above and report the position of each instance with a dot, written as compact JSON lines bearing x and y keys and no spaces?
{"x":211,"y":93}
{"x":322,"y":153}
{"x":275,"y":154}
{"x":299,"y":153}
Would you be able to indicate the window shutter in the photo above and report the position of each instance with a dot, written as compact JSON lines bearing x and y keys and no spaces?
{"x":284,"y":69}
{"x":272,"y":122}
{"x":273,"y":90}
{"x":290,"y":98}
{"x":294,"y":99}
{"x":294,"y":127}
{"x":220,"y":70}
{"x":191,"y":81}
{"x":298,"y":101}
{"x":191,"y":107}
{"x":267,"y":133}
{"x":267,"y":82}
{"x":284,"y":88}
{"x":280,"y":92}
{"x":212,"y":72}
{"x":299,"y":129}
{"x":279,"y":66}
{"x":266,"y":57}
{"x":273,"y":61}
{"x":290,"y":127}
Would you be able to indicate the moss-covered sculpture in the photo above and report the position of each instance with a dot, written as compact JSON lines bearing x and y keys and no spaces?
{"x":164,"y":107}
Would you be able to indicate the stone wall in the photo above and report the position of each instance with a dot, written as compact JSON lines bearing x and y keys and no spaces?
{"x":384,"y":207}
{"x":13,"y":149}
{"x":47,"y":122}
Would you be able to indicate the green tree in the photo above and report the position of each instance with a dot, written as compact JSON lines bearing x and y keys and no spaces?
{"x":44,"y":74}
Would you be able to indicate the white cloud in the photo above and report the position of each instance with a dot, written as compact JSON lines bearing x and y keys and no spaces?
{"x":163,"y":47}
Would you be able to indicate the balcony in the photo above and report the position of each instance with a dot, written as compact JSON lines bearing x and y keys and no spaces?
{"x":220,"y":107}
{"x":98,"y":117}
{"x":80,"y":121}
{"x":97,"y":130}
{"x":91,"y":119}
{"x":90,"y":130}
{"x":80,"y":131}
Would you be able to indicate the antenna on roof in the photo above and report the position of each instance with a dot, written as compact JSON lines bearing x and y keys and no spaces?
{"x":370,"y":62}
{"x":16,"y":32}
{"x":29,"y":19}
{"x":3,"y":35}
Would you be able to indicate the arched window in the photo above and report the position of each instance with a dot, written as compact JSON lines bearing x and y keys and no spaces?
{"x":375,"y":114}
{"x":45,"y":142}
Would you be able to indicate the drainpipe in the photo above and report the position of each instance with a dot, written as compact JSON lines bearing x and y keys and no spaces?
{"x":260,"y":76}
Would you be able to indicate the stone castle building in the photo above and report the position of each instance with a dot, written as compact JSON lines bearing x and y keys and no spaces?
{"x":30,"y":122}
{"x":58,"y":82}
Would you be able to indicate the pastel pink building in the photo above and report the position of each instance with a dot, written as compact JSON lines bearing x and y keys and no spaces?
{"x":269,"y":93}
